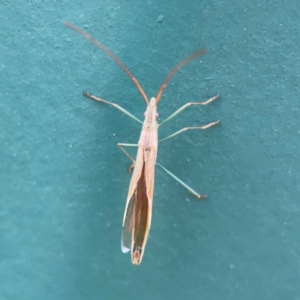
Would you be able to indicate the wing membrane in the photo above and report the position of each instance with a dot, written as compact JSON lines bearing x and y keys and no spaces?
{"x":141,"y":219}
{"x":127,"y":227}
{"x":128,"y":219}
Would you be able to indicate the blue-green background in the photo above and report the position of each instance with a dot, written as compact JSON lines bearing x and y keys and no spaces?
{"x":63,"y":182}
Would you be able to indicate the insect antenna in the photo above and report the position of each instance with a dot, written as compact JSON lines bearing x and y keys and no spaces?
{"x":110,"y":54}
{"x":194,"y":55}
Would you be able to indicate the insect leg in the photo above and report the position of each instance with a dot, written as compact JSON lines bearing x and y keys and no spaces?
{"x":121,"y":145}
{"x":182,"y":183}
{"x":114,"y":105}
{"x":189,"y":128}
{"x":178,"y":111}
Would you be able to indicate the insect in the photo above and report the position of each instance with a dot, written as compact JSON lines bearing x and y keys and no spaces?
{"x":138,"y":210}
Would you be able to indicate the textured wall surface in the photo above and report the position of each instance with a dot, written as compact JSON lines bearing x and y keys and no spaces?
{"x":63,"y":181}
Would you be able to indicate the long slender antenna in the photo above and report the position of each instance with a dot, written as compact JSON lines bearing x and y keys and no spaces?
{"x":194,"y":55}
{"x":110,"y":54}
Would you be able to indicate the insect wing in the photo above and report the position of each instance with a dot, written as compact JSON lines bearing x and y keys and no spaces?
{"x":127,"y":227}
{"x":143,"y":206}
{"x":128,"y":220}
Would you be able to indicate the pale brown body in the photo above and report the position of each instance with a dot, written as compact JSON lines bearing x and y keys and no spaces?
{"x":138,"y":210}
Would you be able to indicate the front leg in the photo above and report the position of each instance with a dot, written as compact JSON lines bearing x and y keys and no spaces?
{"x":113,"y":105}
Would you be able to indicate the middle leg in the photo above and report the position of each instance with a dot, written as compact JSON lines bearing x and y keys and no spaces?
{"x":190,"y":128}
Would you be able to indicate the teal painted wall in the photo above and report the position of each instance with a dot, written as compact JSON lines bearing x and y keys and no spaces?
{"x":63,"y":181}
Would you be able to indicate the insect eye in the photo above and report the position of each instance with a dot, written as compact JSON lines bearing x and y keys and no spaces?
{"x":156,"y":115}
